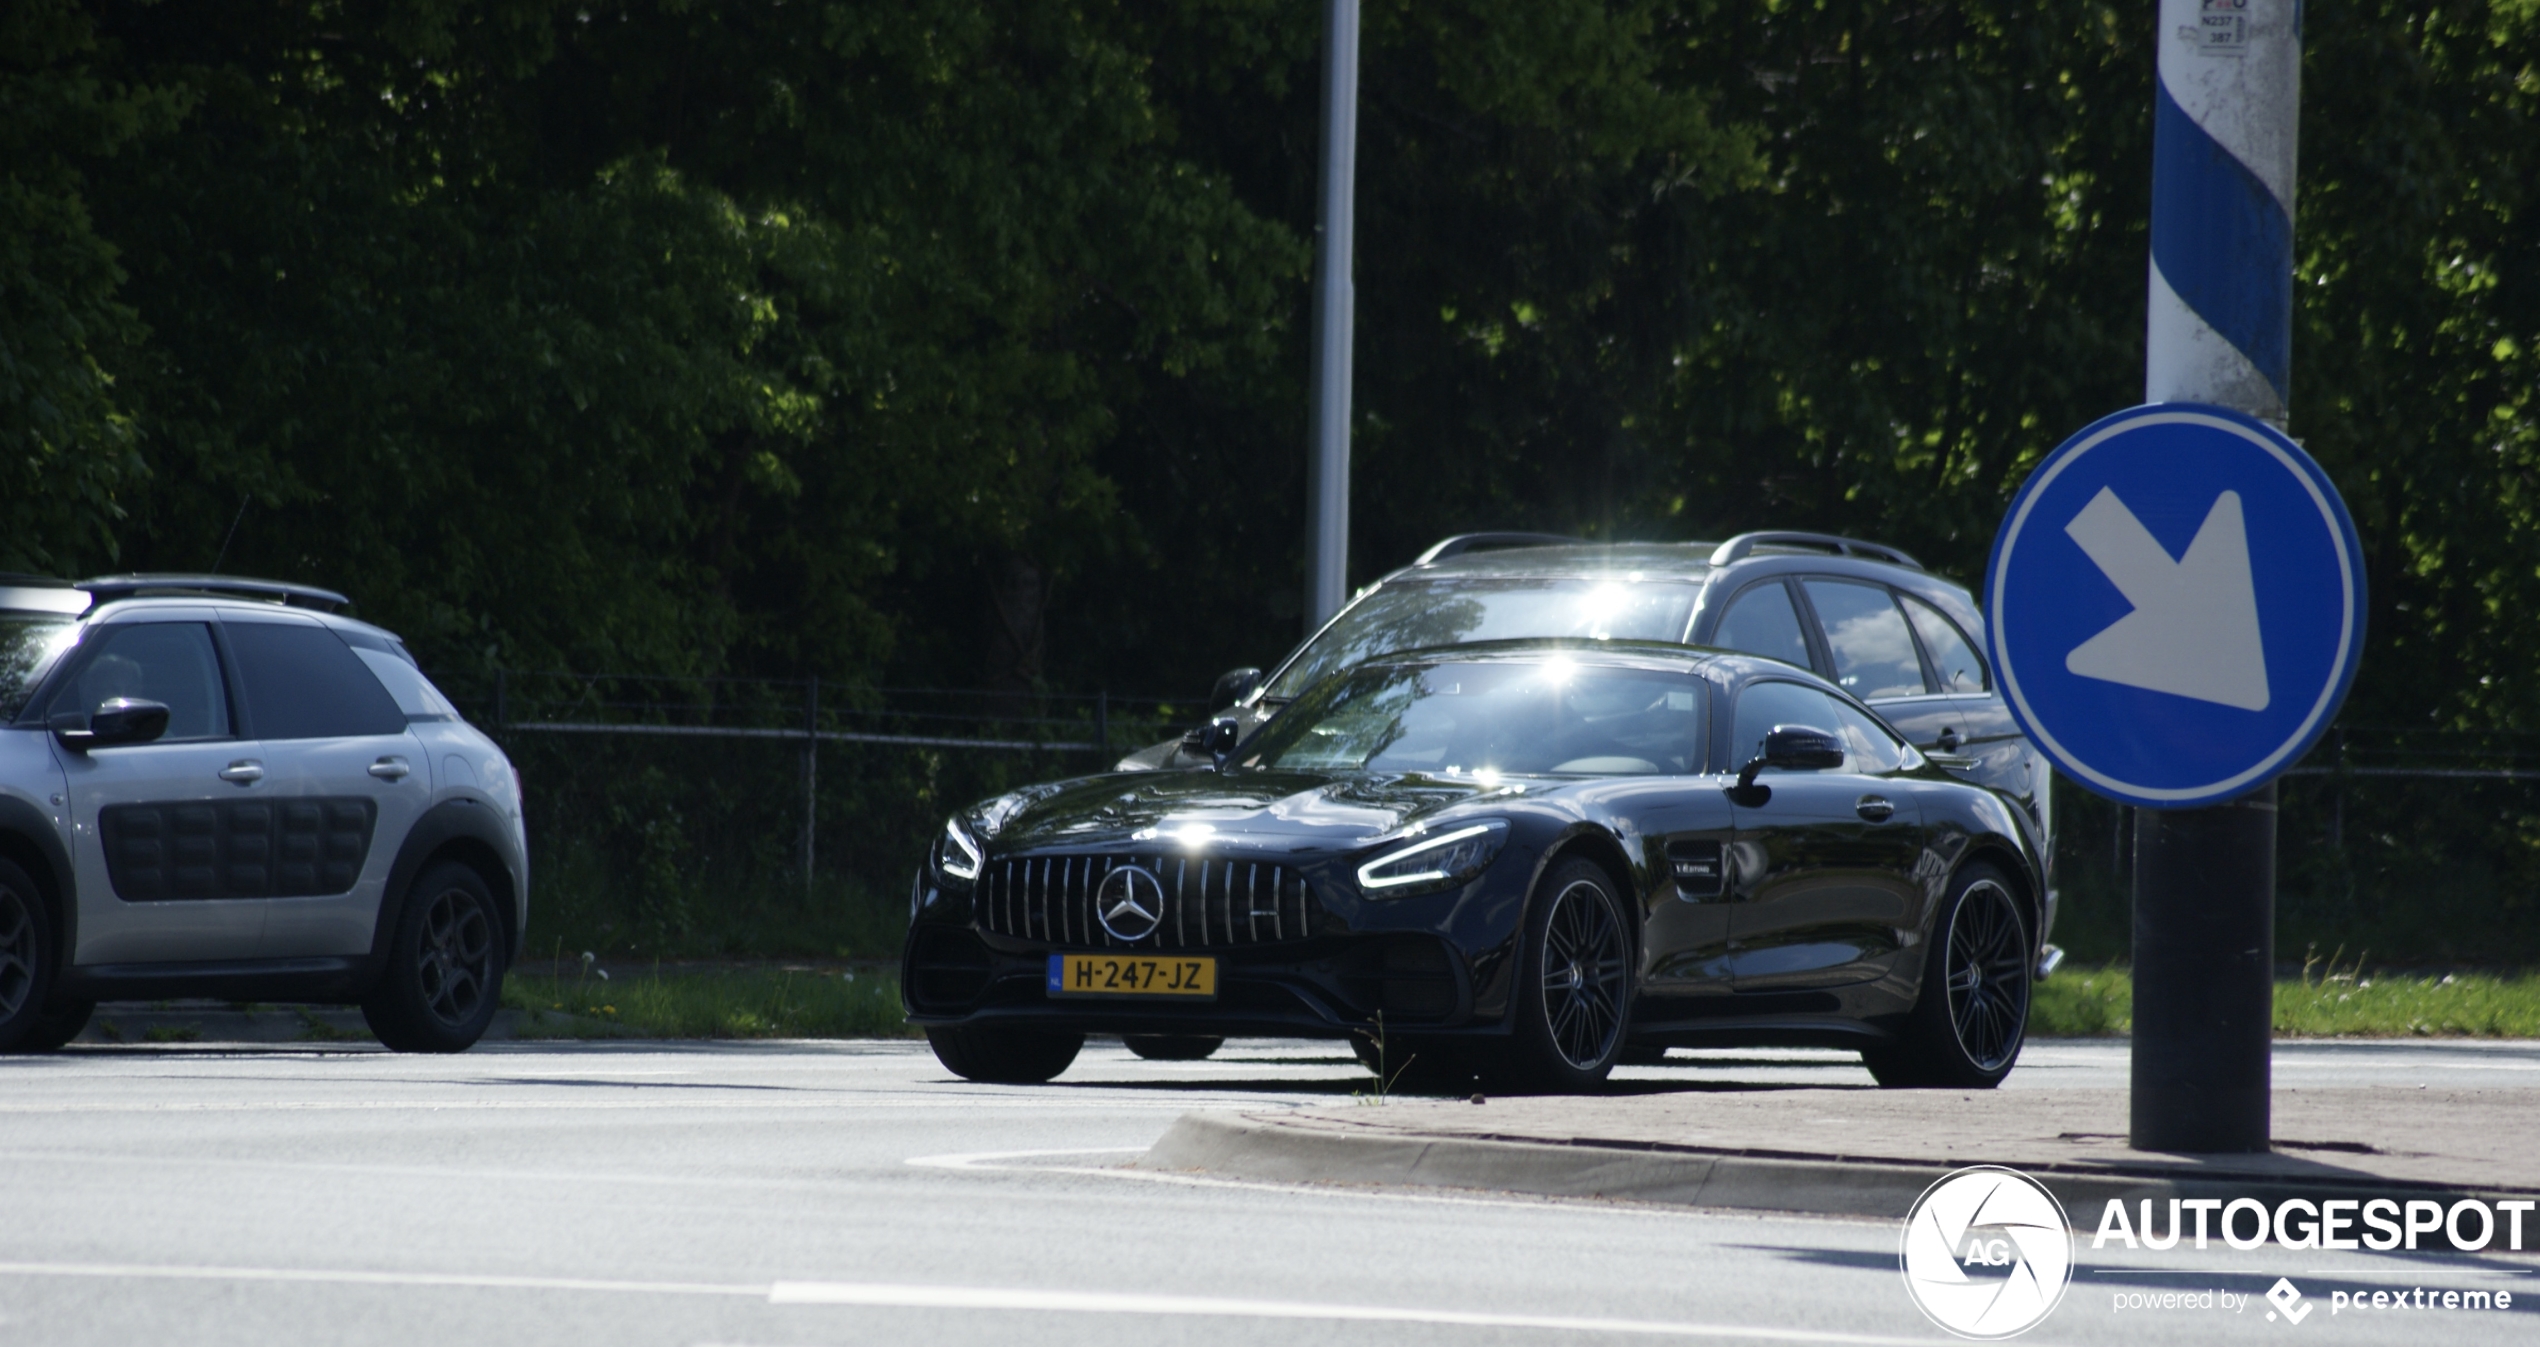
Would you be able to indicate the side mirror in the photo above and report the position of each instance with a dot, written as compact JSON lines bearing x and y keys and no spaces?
{"x":1802,"y":748}
{"x":1793,"y":748}
{"x":1232,"y":686}
{"x":120,"y":720}
{"x":1217,"y":738}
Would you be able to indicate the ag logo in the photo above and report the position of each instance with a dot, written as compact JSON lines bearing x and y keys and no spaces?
{"x":1130,"y":903}
{"x":1987,"y":1252}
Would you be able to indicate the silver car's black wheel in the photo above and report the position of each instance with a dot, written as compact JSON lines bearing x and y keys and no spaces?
{"x":1968,"y":1022}
{"x":1574,"y":991}
{"x":26,"y":957}
{"x":444,"y":977}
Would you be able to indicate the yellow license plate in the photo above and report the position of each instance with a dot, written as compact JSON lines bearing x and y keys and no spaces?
{"x":1132,"y":975}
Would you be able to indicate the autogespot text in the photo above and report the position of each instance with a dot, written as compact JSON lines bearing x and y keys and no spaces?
{"x":2377,"y":1223}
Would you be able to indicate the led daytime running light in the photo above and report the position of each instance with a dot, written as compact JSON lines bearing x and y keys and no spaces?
{"x":1371,"y":876}
{"x":966,"y":865}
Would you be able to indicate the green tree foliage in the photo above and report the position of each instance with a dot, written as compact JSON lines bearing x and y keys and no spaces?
{"x":68,"y":442}
{"x":959,"y":340}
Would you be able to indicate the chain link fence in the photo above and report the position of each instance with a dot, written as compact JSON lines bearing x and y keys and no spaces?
{"x":701,"y":817}
{"x":2397,"y":845}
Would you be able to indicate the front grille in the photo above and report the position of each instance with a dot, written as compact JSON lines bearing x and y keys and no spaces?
{"x":1206,"y":902}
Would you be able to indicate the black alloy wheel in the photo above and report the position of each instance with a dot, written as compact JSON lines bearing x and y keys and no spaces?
{"x":26,"y":960}
{"x":1988,"y":976}
{"x":1967,"y":1026}
{"x":1574,"y":990}
{"x":1172,"y":1047}
{"x":445,"y":969}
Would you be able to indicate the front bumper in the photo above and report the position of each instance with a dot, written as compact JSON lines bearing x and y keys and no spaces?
{"x":1327,"y":987}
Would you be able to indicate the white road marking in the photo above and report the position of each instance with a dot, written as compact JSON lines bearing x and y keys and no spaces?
{"x":1113,"y":1302}
{"x":330,"y":1276}
{"x":439,"y":1105}
{"x":901,"y":1296}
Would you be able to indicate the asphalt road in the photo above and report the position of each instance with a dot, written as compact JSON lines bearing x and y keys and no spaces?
{"x":855,"y":1193}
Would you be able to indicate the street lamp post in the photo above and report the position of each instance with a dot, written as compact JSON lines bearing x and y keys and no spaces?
{"x":1327,"y":453}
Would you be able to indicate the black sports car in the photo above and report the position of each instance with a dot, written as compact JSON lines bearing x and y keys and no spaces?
{"x":1524,"y":860}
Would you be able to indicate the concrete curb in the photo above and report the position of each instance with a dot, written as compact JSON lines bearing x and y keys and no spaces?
{"x":1265,"y":1148}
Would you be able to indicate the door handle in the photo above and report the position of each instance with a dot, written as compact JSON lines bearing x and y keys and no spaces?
{"x":244,"y":772}
{"x":390,"y":769}
{"x":1875,"y":808}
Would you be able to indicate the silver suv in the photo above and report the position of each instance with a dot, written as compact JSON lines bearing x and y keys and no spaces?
{"x":220,"y":787}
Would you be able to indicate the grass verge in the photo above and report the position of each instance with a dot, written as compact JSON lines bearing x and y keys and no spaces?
{"x":725,"y":1003}
{"x":2325,"y":1002}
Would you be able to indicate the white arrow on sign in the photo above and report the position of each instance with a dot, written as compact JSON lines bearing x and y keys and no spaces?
{"x":2194,"y":628}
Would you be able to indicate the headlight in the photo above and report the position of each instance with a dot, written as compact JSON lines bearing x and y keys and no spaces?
{"x":957,"y":854}
{"x":1439,"y":862}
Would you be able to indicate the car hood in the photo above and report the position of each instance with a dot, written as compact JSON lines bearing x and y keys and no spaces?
{"x":1274,"y":810}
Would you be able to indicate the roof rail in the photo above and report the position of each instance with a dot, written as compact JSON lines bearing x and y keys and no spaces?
{"x":1473,"y":542}
{"x":108,"y":588}
{"x":1744,"y":544}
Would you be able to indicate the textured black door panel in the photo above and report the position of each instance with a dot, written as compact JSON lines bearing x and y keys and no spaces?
{"x":293,"y":848}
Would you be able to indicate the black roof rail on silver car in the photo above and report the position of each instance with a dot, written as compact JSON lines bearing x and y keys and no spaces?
{"x":1739,"y":547}
{"x":1472,"y":542}
{"x":108,"y":588}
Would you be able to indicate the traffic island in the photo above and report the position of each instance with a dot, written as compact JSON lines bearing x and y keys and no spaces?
{"x":1868,"y":1153}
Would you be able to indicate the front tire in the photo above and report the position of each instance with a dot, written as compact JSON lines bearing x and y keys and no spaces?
{"x":1968,"y":1023}
{"x":27,"y":958}
{"x":1172,"y":1047}
{"x":57,"y":1026}
{"x":1574,"y":986}
{"x":1004,"y":1056}
{"x":444,"y":978}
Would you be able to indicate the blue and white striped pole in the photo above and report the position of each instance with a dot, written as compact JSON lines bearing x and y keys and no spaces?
{"x":2220,"y":330}
{"x":2225,"y":129}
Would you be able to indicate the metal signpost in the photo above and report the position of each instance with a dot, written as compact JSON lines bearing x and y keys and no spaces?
{"x":2176,"y":608}
{"x":2176,"y":601}
{"x":1327,"y":454}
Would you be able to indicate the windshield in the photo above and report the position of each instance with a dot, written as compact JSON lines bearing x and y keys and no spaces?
{"x":28,"y":646}
{"x":1551,"y":716}
{"x":1417,"y":614}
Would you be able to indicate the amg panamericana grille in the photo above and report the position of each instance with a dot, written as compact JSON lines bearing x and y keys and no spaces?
{"x":1207,"y":902}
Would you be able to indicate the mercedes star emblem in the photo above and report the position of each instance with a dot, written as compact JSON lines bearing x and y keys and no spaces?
{"x":1130,"y":903}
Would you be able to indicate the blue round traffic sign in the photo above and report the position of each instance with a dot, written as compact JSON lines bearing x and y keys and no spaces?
{"x":2176,"y":605}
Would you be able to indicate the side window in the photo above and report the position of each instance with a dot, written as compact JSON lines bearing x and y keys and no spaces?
{"x":1763,"y":705}
{"x":1762,"y":622}
{"x":303,"y":682}
{"x":414,"y":693}
{"x":1873,"y":652}
{"x":1873,"y":749}
{"x":167,"y":662}
{"x":1960,"y":668}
